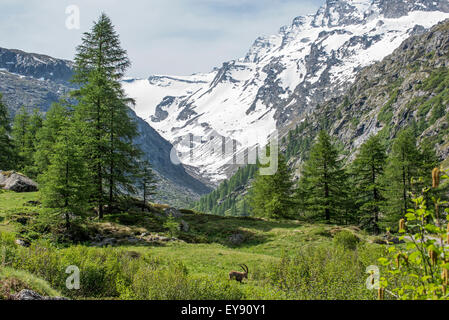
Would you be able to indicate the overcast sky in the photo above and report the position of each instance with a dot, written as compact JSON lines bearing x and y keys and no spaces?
{"x":175,"y":37}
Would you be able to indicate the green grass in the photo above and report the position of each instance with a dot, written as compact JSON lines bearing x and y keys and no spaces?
{"x":206,"y":253}
{"x":13,"y":281}
{"x":12,"y":200}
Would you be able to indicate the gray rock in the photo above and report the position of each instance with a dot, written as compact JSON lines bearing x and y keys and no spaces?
{"x":173,"y":212}
{"x":16,"y":182}
{"x":184,"y":226}
{"x":31,"y":295}
{"x":236,"y":239}
{"x":164,"y":239}
{"x":22,"y":243}
{"x":105,"y":242}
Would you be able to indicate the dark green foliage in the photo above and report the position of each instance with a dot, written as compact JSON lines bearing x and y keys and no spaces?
{"x":65,"y":183}
{"x":103,"y":112}
{"x":407,"y":171}
{"x":298,"y":143}
{"x":346,"y":239}
{"x":367,"y":171}
{"x":54,"y":123}
{"x":147,"y":182}
{"x":7,"y":154}
{"x":24,"y":131}
{"x":271,"y":195}
{"x":229,"y":193}
{"x":322,"y":189}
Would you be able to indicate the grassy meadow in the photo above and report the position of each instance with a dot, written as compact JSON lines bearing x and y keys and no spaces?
{"x":286,"y":259}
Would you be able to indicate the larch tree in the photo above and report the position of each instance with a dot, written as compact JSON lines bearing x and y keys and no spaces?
{"x":271,"y":195}
{"x":402,"y":169}
{"x":322,"y":191}
{"x":367,"y":170}
{"x":100,"y":64}
{"x":7,"y":154}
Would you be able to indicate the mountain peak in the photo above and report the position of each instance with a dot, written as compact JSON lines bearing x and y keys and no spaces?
{"x":348,"y":12}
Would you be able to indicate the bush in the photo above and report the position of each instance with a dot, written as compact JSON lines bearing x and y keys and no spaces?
{"x":13,"y":281}
{"x":323,"y":273}
{"x":116,"y":273}
{"x":346,"y":239}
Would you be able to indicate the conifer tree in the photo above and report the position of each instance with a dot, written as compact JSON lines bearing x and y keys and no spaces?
{"x":64,"y":184}
{"x":100,"y":64}
{"x":6,"y":146}
{"x":271,"y":195}
{"x":25,"y":128}
{"x":368,"y":169}
{"x":20,"y":137}
{"x":147,"y":182}
{"x":322,"y":187}
{"x":402,"y":169}
{"x":47,"y":136}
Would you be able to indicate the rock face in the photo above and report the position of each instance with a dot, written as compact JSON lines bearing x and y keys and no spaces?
{"x":34,"y":65}
{"x":406,"y":89}
{"x":31,"y":295}
{"x":236,"y":239}
{"x":16,"y":182}
{"x":173,"y":212}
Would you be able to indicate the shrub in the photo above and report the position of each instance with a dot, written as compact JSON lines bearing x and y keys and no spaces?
{"x":346,"y":239}
{"x":420,"y":270}
{"x":322,"y":273}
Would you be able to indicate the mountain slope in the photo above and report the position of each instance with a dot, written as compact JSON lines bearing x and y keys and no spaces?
{"x":409,"y":88}
{"x":36,"y":81}
{"x":282,"y":78}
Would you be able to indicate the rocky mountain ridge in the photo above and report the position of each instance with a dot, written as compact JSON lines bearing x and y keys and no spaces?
{"x":407,"y":89}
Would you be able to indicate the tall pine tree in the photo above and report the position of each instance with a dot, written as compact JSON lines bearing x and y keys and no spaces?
{"x":64,"y":185}
{"x":7,"y":154}
{"x":147,"y":182}
{"x":322,"y":188}
{"x":403,"y":167}
{"x":367,"y":170}
{"x":271,"y":195}
{"x":100,"y":64}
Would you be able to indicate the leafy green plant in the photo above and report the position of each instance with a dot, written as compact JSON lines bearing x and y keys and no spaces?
{"x":421,"y":269}
{"x":346,"y":239}
{"x":171,"y":225}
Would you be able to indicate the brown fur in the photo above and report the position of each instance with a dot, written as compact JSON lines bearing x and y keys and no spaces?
{"x":239,"y":276}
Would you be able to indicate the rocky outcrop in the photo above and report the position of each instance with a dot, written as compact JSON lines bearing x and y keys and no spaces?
{"x":405,"y":89}
{"x":17,"y":182}
{"x":236,"y":239}
{"x":37,"y":66}
{"x":32,"y":295}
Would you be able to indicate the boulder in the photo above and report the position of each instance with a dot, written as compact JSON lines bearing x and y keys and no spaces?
{"x":22,"y":243}
{"x":173,"y":212}
{"x":184,"y":226}
{"x":16,"y":182}
{"x":31,"y":295}
{"x":236,"y":239}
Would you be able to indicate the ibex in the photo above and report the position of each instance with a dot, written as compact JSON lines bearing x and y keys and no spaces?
{"x":239,"y":276}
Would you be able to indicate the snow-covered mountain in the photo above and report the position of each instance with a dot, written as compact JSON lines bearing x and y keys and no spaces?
{"x":282,"y":79}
